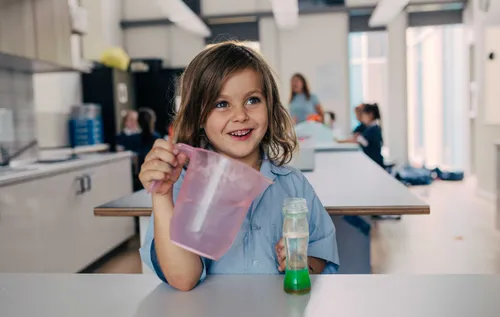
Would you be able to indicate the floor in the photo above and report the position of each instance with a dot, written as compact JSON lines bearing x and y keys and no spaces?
{"x":458,"y":237}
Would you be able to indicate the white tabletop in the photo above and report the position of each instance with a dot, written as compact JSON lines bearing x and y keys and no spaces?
{"x":351,"y":183}
{"x":82,"y":295}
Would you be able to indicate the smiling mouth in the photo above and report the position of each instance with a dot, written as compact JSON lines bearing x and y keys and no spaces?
{"x":240,"y":133}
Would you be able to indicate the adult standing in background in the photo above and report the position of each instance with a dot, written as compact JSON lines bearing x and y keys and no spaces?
{"x":302,"y":102}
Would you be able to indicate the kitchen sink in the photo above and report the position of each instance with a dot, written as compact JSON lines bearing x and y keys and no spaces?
{"x":7,"y":170}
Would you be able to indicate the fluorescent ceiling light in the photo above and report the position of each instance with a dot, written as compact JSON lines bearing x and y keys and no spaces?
{"x":286,"y":13}
{"x":180,"y":14}
{"x":386,"y":11}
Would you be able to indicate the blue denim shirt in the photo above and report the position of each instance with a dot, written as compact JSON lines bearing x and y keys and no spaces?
{"x":253,"y":251}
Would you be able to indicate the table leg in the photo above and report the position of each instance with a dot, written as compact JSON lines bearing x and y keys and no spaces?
{"x":353,"y":242}
{"x":143,"y":227}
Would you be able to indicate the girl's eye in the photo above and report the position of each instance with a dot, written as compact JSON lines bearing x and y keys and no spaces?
{"x":253,"y":100}
{"x":221,"y":104}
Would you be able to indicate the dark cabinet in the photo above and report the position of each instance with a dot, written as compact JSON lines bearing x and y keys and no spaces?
{"x":114,"y":91}
{"x":157,"y":90}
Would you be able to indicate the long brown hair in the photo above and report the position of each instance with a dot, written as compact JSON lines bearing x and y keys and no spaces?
{"x":201,"y":84}
{"x":146,"y":120}
{"x":305,"y":87}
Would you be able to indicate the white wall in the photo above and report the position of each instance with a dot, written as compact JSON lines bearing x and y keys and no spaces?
{"x":322,"y":59}
{"x":484,"y":135}
{"x":396,"y":130}
{"x":432,"y":83}
{"x":54,"y":94}
{"x":174,"y":45}
{"x":492,"y":69}
{"x":104,"y":27}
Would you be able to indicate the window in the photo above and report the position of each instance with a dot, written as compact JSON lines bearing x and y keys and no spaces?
{"x":368,"y":70}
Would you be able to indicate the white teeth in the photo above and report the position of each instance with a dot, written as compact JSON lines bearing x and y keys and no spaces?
{"x":240,"y":132}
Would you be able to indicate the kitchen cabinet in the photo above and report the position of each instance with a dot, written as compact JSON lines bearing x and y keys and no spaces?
{"x":17,"y":28}
{"x":48,"y":224}
{"x":37,"y":36}
{"x":53,"y":31}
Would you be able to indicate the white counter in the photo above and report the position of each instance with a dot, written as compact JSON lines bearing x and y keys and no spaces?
{"x":29,"y":172}
{"x":46,"y":218}
{"x":69,"y":295}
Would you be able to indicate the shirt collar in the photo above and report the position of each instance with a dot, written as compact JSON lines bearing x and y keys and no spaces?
{"x":268,"y":168}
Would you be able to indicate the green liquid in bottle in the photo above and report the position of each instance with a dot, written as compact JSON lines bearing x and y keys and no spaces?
{"x":297,"y":281}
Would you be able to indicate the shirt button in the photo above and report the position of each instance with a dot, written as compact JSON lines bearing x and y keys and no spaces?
{"x":255,"y":263}
{"x":255,"y":227}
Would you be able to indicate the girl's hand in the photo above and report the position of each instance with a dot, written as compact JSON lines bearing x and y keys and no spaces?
{"x":162,"y":164}
{"x":281,"y":255}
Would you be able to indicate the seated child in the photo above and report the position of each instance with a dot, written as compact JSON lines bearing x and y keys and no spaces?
{"x":230,"y":104}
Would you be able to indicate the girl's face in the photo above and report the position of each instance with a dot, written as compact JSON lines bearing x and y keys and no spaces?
{"x":297,"y":85}
{"x":131,"y":121}
{"x":358,"y":112}
{"x":239,"y":121}
{"x":366,"y":118}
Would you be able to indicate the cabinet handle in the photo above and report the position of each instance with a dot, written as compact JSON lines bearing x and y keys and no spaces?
{"x":88,"y":183}
{"x":81,"y":183}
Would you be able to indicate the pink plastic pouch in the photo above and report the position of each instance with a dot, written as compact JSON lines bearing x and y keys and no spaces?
{"x":213,"y":201}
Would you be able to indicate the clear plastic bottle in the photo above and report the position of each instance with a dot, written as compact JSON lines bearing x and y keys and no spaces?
{"x":296,"y":236}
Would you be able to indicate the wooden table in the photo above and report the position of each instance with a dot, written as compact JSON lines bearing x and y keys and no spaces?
{"x":351,"y":187}
{"x":347,"y":183}
{"x":54,"y":295}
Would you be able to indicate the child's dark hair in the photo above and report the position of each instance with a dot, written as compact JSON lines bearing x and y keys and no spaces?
{"x":146,"y":121}
{"x":331,"y":115}
{"x":372,"y":108}
{"x":201,"y":84}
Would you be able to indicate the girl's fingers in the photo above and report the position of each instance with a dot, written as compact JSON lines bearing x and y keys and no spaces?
{"x":164,"y":144}
{"x":280,"y":244}
{"x":282,"y":255}
{"x":157,"y":165}
{"x":147,"y":177}
{"x":163,"y":155}
{"x":281,"y":266}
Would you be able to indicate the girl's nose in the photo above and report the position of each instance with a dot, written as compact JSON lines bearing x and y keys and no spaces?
{"x":239,"y":114}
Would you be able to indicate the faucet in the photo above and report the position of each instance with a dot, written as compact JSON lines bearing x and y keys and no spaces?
{"x":5,"y":157}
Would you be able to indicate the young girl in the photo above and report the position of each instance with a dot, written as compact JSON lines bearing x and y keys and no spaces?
{"x":230,"y":104}
{"x":371,"y":138}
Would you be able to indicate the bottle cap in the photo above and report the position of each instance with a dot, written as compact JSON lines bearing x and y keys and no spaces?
{"x":294,"y":206}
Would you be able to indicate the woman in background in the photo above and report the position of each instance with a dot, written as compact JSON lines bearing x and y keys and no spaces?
{"x":371,"y":139}
{"x":302,"y":102}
